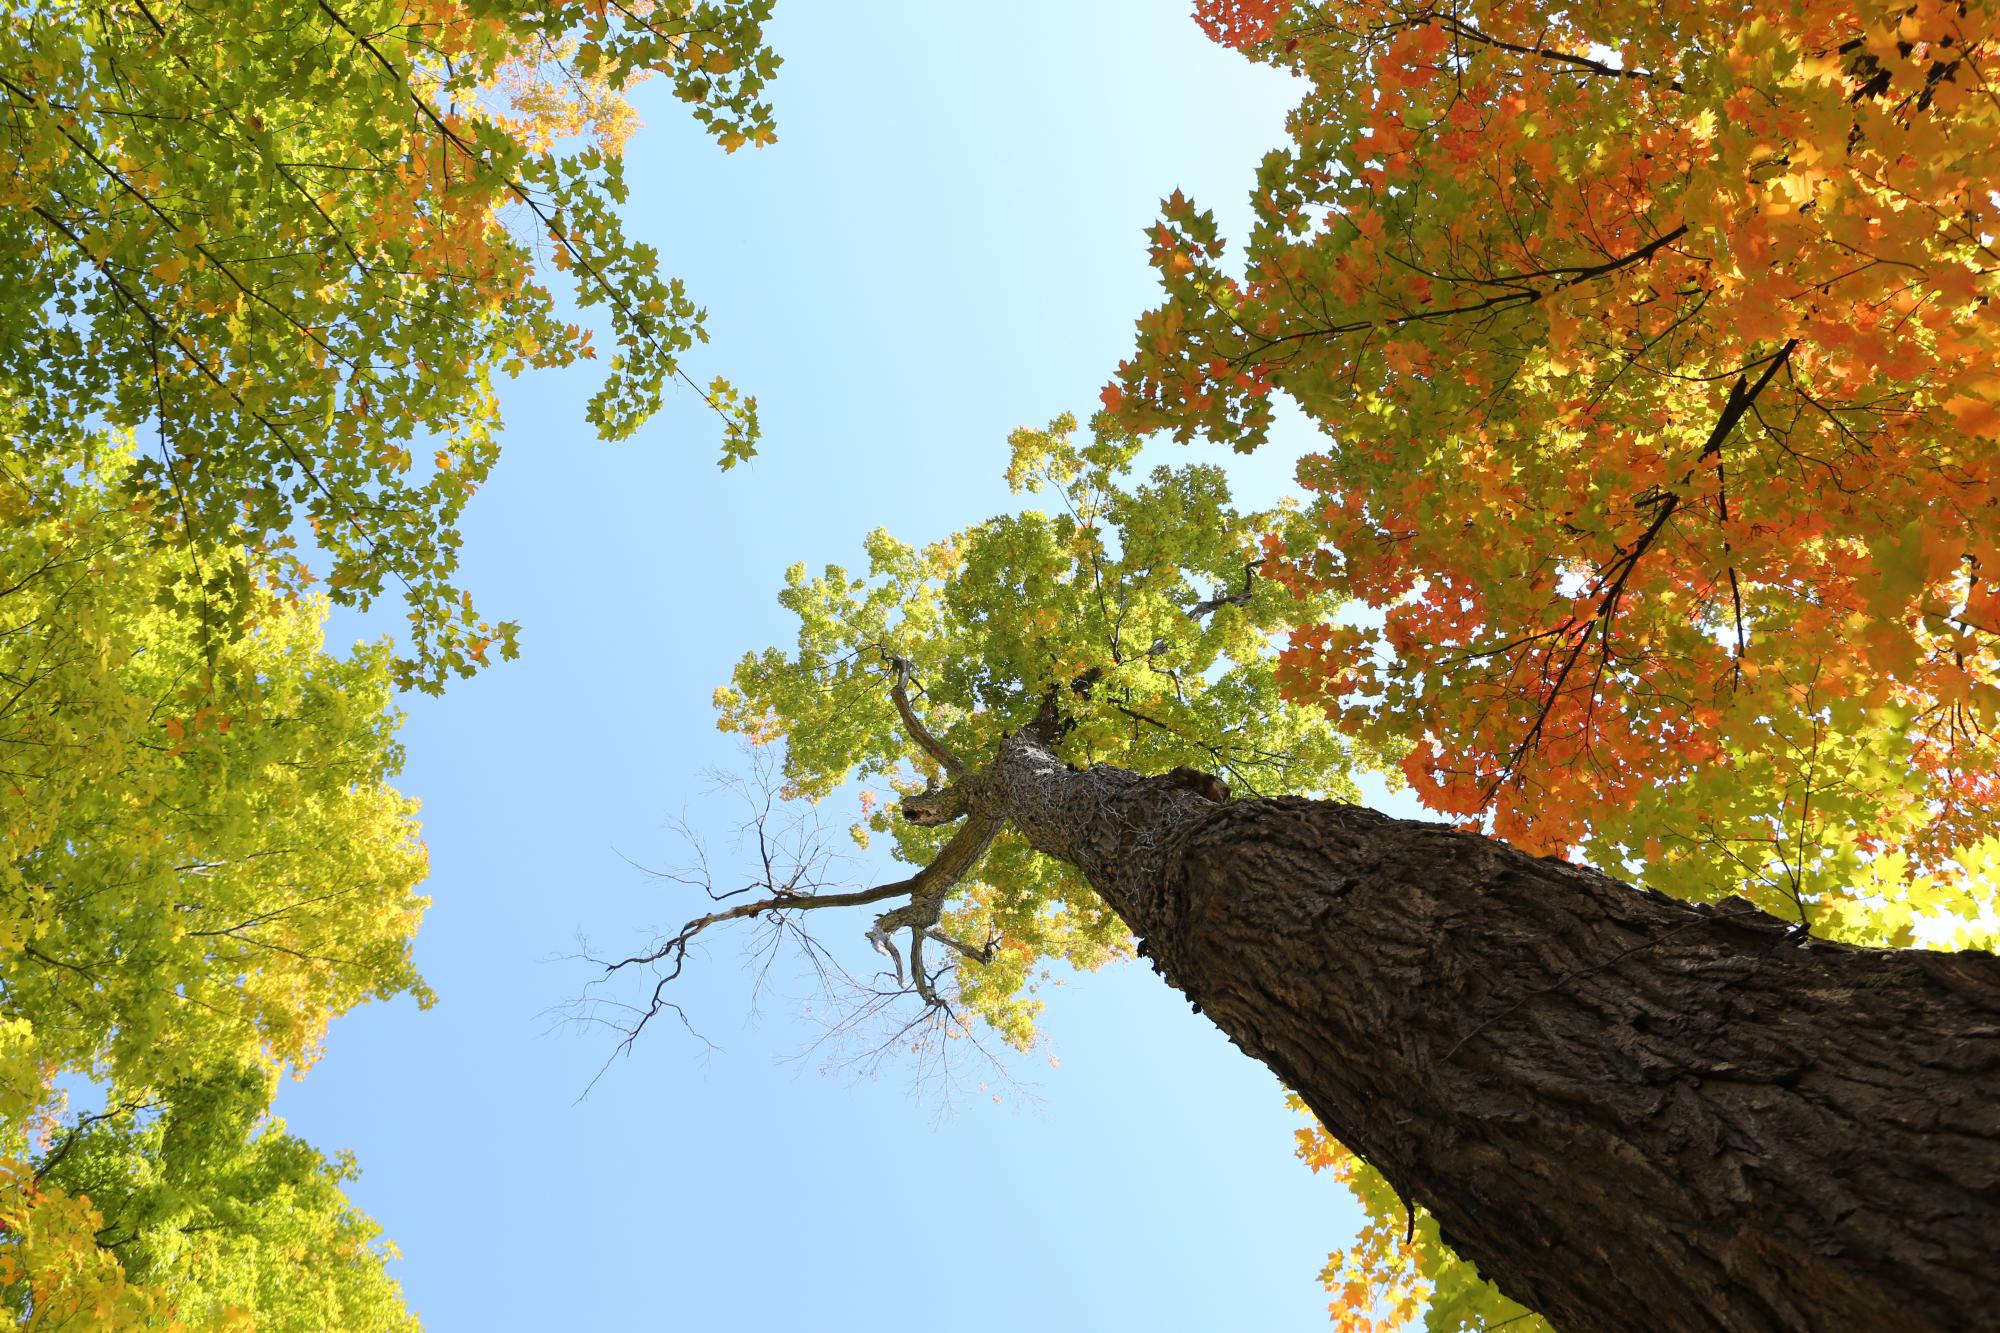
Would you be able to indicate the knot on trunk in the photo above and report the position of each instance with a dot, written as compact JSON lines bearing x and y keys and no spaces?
{"x":1205,"y":785}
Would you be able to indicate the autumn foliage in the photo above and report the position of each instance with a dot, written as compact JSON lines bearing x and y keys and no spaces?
{"x":1652,"y":517}
{"x":1654,"y":366}
{"x":1239,"y":23}
{"x":1652,"y":352}
{"x":205,"y":864}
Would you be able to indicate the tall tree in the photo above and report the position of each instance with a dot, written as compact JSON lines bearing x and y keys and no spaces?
{"x":298,"y":241}
{"x":1651,"y":349}
{"x":1628,"y":1111}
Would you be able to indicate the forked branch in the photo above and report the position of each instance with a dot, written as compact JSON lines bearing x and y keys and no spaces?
{"x":1613,"y":578}
{"x":921,"y":914}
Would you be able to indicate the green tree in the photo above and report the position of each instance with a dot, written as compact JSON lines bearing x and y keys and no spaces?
{"x":298,"y":242}
{"x":1130,"y":621}
{"x":213,"y":1211}
{"x":205,"y":858}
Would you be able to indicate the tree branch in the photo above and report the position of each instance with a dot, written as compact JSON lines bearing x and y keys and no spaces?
{"x":1459,"y":27}
{"x":1615,"y":575}
{"x":925,"y":891}
{"x":1210,"y":605}
{"x":921,"y":914}
{"x":82,"y":1126}
{"x":899,"y":691}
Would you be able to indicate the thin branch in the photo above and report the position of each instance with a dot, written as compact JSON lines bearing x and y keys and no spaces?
{"x":1618,"y":573}
{"x":925,"y":890}
{"x":1457,"y":26}
{"x":544,"y":216}
{"x":80,"y":1128}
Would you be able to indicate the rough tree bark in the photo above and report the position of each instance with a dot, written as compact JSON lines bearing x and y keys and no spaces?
{"x":1629,"y":1112}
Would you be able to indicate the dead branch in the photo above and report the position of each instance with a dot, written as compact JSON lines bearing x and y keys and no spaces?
{"x":790,"y":879}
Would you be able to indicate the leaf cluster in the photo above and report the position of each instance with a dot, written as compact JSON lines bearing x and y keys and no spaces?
{"x":204,"y":863}
{"x":298,"y":244}
{"x":1652,"y":348}
{"x":1658,"y":426}
{"x":217,"y":1217}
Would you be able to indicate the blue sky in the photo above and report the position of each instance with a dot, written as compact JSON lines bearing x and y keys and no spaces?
{"x":944,"y":244}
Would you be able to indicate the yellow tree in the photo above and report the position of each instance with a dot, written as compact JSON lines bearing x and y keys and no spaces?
{"x":282,"y":253}
{"x":205,"y":863}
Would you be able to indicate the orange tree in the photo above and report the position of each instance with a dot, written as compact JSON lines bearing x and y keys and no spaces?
{"x":1653,"y":351}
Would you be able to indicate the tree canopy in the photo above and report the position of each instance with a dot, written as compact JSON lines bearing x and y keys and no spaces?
{"x":192,"y":1209}
{"x":299,"y":242}
{"x":1651,"y":523}
{"x":263,"y":266}
{"x":205,"y":864}
{"x":1689,"y":306}
{"x":206,"y":857}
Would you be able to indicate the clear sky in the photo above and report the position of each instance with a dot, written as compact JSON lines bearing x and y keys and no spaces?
{"x":945,"y":243}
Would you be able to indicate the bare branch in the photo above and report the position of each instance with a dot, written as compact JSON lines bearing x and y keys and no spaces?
{"x":673,"y":950}
{"x":781,"y":901}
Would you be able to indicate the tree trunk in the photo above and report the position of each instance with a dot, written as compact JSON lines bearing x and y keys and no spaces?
{"x":1629,"y":1112}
